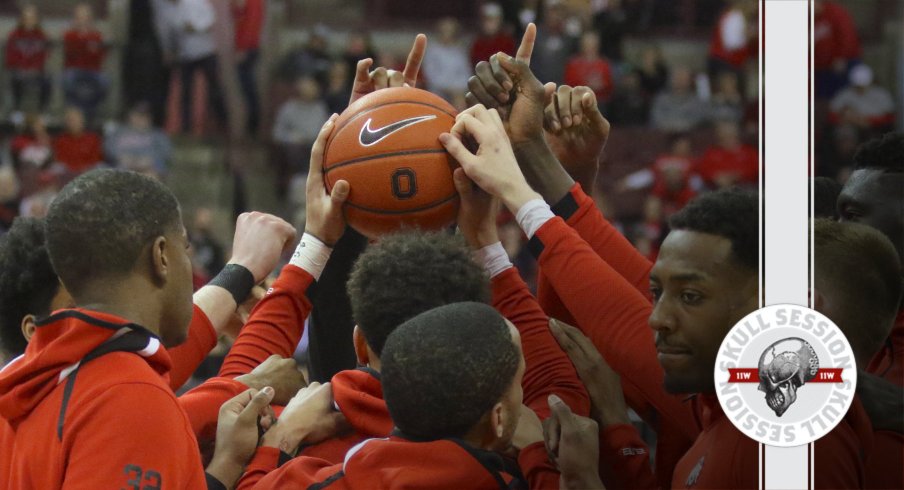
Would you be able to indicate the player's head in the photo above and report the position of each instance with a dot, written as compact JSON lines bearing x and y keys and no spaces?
{"x":858,"y":282}
{"x":29,"y":287}
{"x":116,"y":235}
{"x":704,"y":280}
{"x":874,"y":194}
{"x":406,"y":274}
{"x":455,"y":371}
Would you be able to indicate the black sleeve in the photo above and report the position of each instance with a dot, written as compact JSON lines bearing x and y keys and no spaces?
{"x":330,"y":325}
{"x":213,"y":483}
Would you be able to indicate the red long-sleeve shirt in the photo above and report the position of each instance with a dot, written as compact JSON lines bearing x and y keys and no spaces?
{"x":593,"y":73}
{"x":26,"y":50}
{"x":78,"y":152}
{"x":84,"y":50}
{"x":834,"y":36}
{"x":742,"y":161}
{"x":249,"y":20}
{"x":486,"y":46}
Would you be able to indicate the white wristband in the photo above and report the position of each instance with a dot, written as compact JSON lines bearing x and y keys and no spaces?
{"x":494,"y":259}
{"x":534,"y":214}
{"x":311,"y":255}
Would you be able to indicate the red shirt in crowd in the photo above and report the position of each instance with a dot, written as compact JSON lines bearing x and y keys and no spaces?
{"x":84,"y":50}
{"x":834,"y":36}
{"x":672,"y":182}
{"x":486,"y":46}
{"x":79,"y":152}
{"x":593,"y":73}
{"x":249,"y":20}
{"x":722,"y":48}
{"x":26,"y":49}
{"x":742,"y":161}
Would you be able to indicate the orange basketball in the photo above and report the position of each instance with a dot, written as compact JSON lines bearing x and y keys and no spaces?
{"x":386,"y":145}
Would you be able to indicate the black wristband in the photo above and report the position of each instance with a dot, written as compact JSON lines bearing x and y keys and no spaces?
{"x":236,"y":279}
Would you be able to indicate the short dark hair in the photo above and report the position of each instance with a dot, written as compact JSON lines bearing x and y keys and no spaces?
{"x":861,"y":265}
{"x":100,"y":222}
{"x":444,"y":369}
{"x":728,"y":213}
{"x":28,"y":282}
{"x":885,"y":153}
{"x":408,"y":273}
{"x":825,"y":197}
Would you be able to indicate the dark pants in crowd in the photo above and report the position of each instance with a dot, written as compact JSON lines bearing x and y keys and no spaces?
{"x":85,"y":89}
{"x":24,"y":80}
{"x":248,"y":81}
{"x":208,"y":67}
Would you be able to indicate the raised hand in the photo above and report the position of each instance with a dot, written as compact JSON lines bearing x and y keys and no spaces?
{"x":280,"y":373}
{"x":493,"y":166}
{"x":477,"y":214}
{"x":576,"y":132}
{"x":323,"y":212}
{"x":367,"y":81}
{"x":237,"y":434}
{"x":573,"y":442}
{"x":259,"y":241}
{"x":308,"y":418}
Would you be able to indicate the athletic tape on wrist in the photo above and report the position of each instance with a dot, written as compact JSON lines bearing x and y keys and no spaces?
{"x":532,"y":215}
{"x":236,"y":279}
{"x":311,"y":255}
{"x":494,"y":259}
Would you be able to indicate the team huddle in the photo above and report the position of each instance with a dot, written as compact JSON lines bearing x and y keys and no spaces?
{"x":465,"y":378}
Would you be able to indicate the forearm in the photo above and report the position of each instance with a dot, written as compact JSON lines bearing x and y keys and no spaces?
{"x":202,"y":404}
{"x":217,"y":303}
{"x":542,"y":170}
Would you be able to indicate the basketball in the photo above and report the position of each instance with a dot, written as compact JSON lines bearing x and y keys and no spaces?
{"x":386,"y":145}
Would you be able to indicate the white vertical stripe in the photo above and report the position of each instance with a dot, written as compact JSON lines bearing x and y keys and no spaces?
{"x":785,"y":179}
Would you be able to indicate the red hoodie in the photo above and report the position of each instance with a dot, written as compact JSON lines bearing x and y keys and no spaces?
{"x":398,"y":463}
{"x":26,"y":50}
{"x":89,"y":406}
{"x":84,"y":50}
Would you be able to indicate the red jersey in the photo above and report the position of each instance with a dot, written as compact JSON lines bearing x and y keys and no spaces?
{"x":76,"y":422}
{"x":593,"y":73}
{"x":26,"y":50}
{"x":742,"y":162}
{"x":486,"y":46}
{"x":834,"y":36}
{"x":248,"y":20}
{"x":397,"y":463}
{"x":889,"y":362}
{"x":84,"y":50}
{"x":79,"y":152}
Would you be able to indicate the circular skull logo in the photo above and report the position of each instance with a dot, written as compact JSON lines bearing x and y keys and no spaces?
{"x":784,"y":367}
{"x":785,"y":375}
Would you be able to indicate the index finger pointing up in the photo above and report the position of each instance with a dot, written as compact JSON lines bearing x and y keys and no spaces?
{"x":415,"y":57}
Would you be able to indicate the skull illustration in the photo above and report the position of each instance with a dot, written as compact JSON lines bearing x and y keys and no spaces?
{"x":784,"y":367}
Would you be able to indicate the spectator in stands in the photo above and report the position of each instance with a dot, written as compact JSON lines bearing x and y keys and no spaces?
{"x":298,"y":122}
{"x":730,"y":162}
{"x":84,"y":82}
{"x":312,"y":59}
{"x":186,"y":36}
{"x":554,"y":45}
{"x":76,"y":147}
{"x":675,"y":182}
{"x":733,"y":42}
{"x":357,"y":47}
{"x":628,"y":106}
{"x":338,"y":87}
{"x":653,"y":72}
{"x":836,"y":47}
{"x":33,"y":148}
{"x":138,"y":145}
{"x":680,"y":108}
{"x":208,"y":251}
{"x":863,"y":105}
{"x":446,"y":65}
{"x":492,"y":37}
{"x":26,"y":53}
{"x":590,"y":69}
{"x":727,"y":103}
{"x":248,"y":19}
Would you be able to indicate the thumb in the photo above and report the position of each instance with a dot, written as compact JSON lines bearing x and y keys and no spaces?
{"x":257,"y":404}
{"x":558,"y":407}
{"x":463,"y":184}
{"x":549,"y":89}
{"x":340,"y":192}
{"x":518,"y":68}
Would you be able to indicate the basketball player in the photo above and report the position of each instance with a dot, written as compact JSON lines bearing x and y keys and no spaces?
{"x":696,"y":297}
{"x":88,"y":401}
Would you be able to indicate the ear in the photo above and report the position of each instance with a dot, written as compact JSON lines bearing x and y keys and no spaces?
{"x":497,"y":420}
{"x":361,"y":354}
{"x":159,"y":260}
{"x":28,"y":327}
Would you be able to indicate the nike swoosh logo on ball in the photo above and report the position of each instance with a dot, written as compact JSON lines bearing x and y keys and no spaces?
{"x":370,"y":136}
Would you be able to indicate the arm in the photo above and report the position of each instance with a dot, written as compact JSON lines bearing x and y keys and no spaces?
{"x":202,"y":337}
